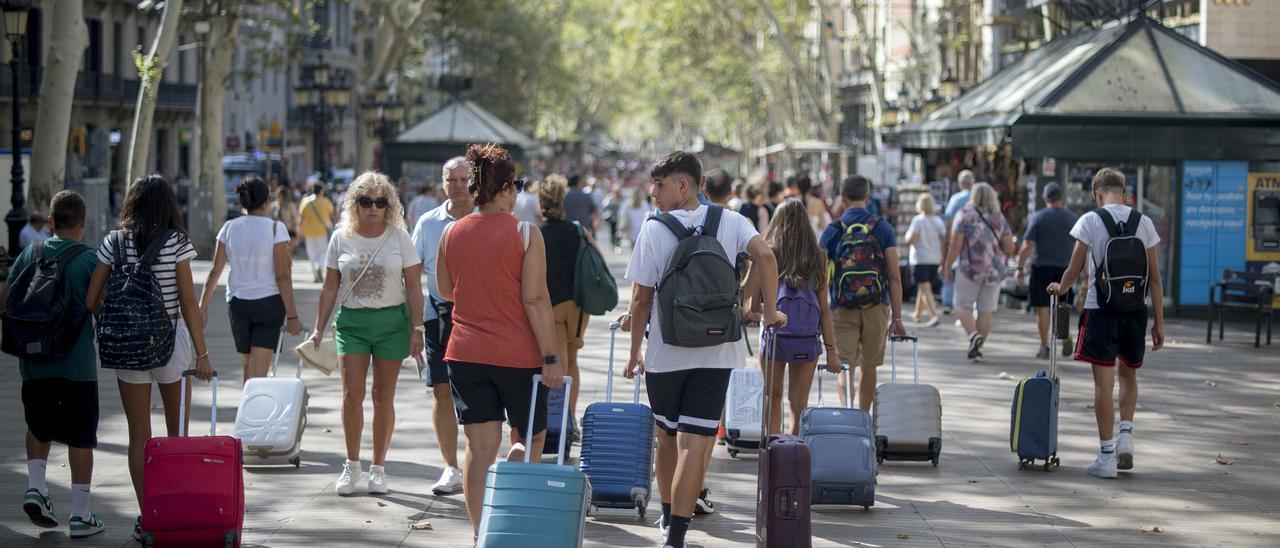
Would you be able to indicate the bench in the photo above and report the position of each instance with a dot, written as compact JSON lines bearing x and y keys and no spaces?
{"x":1245,"y":291}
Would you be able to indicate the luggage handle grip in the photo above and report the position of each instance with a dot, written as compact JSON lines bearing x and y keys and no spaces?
{"x":608,"y":378}
{"x":893,"y":357}
{"x":564,"y":419}
{"x":275,"y":358}
{"x":844,"y":369}
{"x":182,"y":404}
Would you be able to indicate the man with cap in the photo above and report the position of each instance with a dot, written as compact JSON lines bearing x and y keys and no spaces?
{"x":1048,"y":243}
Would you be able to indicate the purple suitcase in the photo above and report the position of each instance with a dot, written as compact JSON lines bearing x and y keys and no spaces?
{"x":783,"y":491}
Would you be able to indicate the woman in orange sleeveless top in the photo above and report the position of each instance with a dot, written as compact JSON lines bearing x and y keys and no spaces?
{"x":494,"y":269}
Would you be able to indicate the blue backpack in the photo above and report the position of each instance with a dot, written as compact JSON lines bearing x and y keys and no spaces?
{"x":134,"y":329}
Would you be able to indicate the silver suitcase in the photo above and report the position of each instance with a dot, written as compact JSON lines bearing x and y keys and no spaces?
{"x":907,"y":418}
{"x":272,"y":416}
{"x":743,"y":411}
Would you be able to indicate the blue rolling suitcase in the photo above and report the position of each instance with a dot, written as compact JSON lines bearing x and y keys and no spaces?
{"x":617,"y":447}
{"x":1033,"y":431}
{"x":532,"y":504}
{"x":843,"y":450}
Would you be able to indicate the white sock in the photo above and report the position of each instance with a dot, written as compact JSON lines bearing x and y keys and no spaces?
{"x":354,"y":464}
{"x":1108,"y":447}
{"x":80,"y":500}
{"x":1126,"y":427}
{"x":35,"y":475}
{"x":376,"y":468}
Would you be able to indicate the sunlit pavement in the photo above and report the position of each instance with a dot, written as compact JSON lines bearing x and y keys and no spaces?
{"x":1197,"y":402}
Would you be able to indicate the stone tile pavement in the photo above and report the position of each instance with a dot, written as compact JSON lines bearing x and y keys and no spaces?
{"x":1197,"y":402}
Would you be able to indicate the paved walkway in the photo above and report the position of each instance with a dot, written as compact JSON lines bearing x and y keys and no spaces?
{"x":1197,"y":402}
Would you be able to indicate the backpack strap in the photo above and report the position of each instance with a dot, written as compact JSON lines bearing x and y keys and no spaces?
{"x":118,"y":252}
{"x":673,"y":225}
{"x":37,"y":252}
{"x":1108,"y":221}
{"x":1131,"y":225}
{"x":711,"y":224}
{"x":154,"y":246}
{"x":72,"y":251}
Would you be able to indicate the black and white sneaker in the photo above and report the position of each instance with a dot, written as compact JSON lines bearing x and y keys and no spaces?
{"x":704,"y":505}
{"x":662,"y":526}
{"x":975,"y":346}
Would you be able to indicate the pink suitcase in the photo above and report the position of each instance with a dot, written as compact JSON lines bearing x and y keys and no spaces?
{"x":193,"y":487}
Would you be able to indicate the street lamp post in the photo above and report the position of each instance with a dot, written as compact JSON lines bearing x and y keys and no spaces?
{"x":385,"y":113}
{"x":15,"y":28}
{"x":322,"y":95}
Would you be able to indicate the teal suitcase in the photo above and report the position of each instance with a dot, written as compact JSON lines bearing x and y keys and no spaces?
{"x":530,"y":504}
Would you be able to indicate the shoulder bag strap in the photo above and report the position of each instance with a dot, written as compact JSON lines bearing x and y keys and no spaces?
{"x":347,"y":292}
{"x":311,"y":206}
{"x":988,"y":223}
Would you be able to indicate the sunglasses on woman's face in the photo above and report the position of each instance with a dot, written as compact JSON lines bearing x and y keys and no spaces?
{"x":367,"y":202}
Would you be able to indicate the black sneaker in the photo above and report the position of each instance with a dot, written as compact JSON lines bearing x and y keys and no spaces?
{"x":704,"y":506}
{"x":975,"y":347}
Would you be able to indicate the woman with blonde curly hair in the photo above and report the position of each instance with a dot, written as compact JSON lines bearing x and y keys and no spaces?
{"x":379,"y":321}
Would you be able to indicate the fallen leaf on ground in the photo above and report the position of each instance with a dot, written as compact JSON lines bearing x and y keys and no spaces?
{"x":382,"y":504}
{"x":973,"y":481}
{"x":1223,"y":460}
{"x":1277,"y":405}
{"x":903,"y":536}
{"x":1239,"y":442}
{"x":1211,"y":384}
{"x":420,"y":526}
{"x":328,"y":430}
{"x":1152,"y":529}
{"x":1088,"y":406}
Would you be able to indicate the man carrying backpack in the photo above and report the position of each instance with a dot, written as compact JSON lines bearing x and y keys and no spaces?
{"x":686,"y":285}
{"x":47,"y":326}
{"x":865,"y":285}
{"x":1121,"y":246}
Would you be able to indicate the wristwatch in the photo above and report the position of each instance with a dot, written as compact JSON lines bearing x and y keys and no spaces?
{"x":420,"y":328}
{"x":550,"y":360}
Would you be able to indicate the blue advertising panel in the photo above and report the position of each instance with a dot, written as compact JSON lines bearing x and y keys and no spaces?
{"x":1213,"y":225}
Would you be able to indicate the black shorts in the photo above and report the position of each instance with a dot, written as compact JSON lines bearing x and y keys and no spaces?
{"x":1038,"y":287}
{"x":925,"y":273}
{"x":484,"y":393}
{"x":688,"y":401}
{"x":256,"y":323}
{"x":62,"y":410}
{"x":1106,"y":335}
{"x":436,"y":342}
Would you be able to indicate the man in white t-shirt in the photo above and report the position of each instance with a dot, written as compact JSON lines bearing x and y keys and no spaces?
{"x":1108,"y":333}
{"x":686,"y":385}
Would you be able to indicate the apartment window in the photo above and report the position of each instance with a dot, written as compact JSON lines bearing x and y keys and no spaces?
{"x":92,"y":58}
{"x":182,"y":60}
{"x":117,"y":49}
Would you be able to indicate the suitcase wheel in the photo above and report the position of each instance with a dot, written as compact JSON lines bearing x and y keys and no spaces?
{"x":148,"y":540}
{"x":1051,"y":464}
{"x":591,"y":509}
{"x":733,"y":452}
{"x":640,"y":510}
{"x":640,"y":505}
{"x":296,"y":462}
{"x":229,"y":539}
{"x":935,"y":448}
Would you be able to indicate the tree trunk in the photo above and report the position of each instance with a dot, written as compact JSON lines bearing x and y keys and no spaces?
{"x":810,"y":91}
{"x":218,"y":54}
{"x":388,"y":48}
{"x":57,"y":89}
{"x":150,"y":74}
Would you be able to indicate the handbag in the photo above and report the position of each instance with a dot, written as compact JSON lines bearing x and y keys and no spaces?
{"x":325,"y":358}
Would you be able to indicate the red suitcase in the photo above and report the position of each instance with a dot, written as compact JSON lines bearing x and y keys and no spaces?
{"x":783,"y":490}
{"x":193,"y":487}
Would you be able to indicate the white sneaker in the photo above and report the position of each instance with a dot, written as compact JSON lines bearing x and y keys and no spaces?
{"x":1103,"y":467}
{"x":377,"y":480}
{"x":662,"y":526}
{"x":450,"y":482}
{"x":347,"y":479}
{"x":1124,"y":451}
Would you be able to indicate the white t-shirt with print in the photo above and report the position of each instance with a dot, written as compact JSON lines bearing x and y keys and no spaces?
{"x":176,"y":249}
{"x":1090,"y":229}
{"x":383,"y":285}
{"x":929,"y":230}
{"x":250,"y":243}
{"x":652,"y":252}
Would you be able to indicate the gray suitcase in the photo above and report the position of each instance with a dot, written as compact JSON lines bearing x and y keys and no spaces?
{"x":907,"y":417}
{"x":843,"y":452}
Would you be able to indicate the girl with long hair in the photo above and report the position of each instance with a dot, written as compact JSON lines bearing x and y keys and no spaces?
{"x":150,"y":211}
{"x":802,"y":295}
{"x":379,"y":321}
{"x":260,"y":291}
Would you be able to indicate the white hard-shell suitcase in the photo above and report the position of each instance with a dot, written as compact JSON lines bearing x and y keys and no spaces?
{"x":743,"y":411}
{"x":272,"y":416}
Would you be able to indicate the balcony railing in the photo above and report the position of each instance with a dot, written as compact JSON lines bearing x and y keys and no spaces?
{"x":104,"y":89}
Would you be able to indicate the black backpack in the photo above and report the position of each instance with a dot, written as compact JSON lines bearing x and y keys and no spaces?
{"x":134,"y":329}
{"x":1121,"y":276}
{"x":41,"y":323}
{"x":698,"y":292}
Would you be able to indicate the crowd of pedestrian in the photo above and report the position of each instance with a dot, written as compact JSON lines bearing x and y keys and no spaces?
{"x":499,"y":257}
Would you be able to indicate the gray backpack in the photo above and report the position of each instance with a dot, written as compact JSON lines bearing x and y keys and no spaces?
{"x":698,"y":292}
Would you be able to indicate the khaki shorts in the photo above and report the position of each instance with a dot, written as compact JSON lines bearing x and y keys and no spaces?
{"x":861,"y":334}
{"x":566,"y":322}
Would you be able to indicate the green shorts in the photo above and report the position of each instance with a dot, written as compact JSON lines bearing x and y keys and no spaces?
{"x":379,"y":332}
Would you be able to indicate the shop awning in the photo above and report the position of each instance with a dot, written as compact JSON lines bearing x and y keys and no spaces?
{"x":1114,"y":80}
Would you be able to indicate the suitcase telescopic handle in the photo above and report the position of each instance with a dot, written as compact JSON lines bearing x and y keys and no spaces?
{"x":768,"y":351}
{"x":608,"y":382}
{"x":1053,"y":328}
{"x":844,"y":369}
{"x":893,"y":357}
{"x":182,"y":404}
{"x":275,"y":358}
{"x":564,"y":418}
